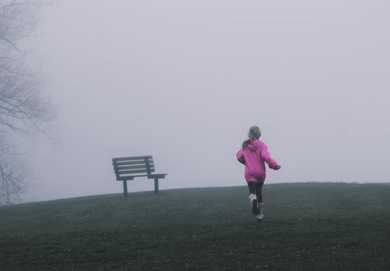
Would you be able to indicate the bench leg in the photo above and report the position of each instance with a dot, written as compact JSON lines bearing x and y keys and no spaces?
{"x":124,"y":188}
{"x":156,"y":186}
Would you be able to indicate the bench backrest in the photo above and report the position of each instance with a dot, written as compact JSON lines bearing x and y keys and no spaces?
{"x":126,"y":168}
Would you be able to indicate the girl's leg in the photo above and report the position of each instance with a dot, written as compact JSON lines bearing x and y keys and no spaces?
{"x":253,"y":197}
{"x":252,"y":187}
{"x":259,"y":186}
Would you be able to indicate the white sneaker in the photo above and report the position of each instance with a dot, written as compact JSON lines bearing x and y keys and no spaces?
{"x":259,"y":217}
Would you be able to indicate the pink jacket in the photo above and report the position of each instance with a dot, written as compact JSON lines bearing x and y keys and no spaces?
{"x":253,"y":157}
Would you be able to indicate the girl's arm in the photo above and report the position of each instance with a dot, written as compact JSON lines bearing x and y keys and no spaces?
{"x":268,"y":159}
{"x":240,"y":157}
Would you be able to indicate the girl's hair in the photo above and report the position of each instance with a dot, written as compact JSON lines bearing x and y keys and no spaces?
{"x":254,"y":133}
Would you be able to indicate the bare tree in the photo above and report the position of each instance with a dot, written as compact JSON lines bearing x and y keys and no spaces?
{"x":23,"y":107}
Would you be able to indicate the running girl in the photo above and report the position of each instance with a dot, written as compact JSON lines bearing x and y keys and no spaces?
{"x":254,"y":154}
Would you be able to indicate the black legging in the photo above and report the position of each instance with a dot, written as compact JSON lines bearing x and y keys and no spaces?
{"x":255,"y":188}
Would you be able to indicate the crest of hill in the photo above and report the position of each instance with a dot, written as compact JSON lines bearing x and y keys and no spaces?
{"x":180,"y":204}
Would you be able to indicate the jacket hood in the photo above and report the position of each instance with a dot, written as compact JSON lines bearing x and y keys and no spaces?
{"x":254,"y":145}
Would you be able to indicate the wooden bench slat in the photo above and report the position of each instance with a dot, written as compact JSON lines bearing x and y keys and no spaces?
{"x":134,"y":167}
{"x":127,"y":178}
{"x":132,"y":158}
{"x":120,"y":163}
{"x":129,"y":172}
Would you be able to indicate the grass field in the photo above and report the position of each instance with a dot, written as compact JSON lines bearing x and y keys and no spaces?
{"x":311,"y":226}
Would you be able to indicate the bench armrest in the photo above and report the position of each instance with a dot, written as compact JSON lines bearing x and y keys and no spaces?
{"x":162,"y":176}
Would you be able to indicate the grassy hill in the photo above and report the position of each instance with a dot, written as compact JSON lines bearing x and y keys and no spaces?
{"x":311,"y":226}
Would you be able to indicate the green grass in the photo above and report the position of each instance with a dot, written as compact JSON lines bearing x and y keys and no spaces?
{"x":310,"y":226}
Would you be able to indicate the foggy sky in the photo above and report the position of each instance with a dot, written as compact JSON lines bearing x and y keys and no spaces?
{"x":184,"y":80}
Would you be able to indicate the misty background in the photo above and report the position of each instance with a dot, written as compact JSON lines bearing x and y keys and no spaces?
{"x":184,"y":80}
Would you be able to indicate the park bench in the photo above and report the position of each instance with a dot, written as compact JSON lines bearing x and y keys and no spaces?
{"x":128,"y":168}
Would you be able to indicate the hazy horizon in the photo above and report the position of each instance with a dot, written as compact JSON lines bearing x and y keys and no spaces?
{"x":184,"y":80}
